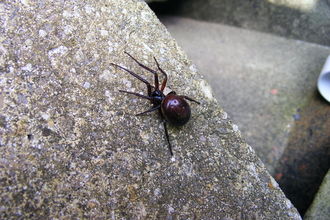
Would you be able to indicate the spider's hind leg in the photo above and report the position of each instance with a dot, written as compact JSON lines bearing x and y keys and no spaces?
{"x":167,"y":137}
{"x":190,"y":99}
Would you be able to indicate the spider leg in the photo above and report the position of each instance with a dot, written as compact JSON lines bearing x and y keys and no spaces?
{"x":190,"y":99}
{"x":149,"y":110}
{"x":136,"y":76}
{"x":147,"y":68}
{"x":167,"y":137}
{"x":137,"y":94}
{"x":165,"y":76}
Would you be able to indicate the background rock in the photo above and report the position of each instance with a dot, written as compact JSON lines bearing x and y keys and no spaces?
{"x":267,"y":85}
{"x":306,"y":20}
{"x":321,"y":204}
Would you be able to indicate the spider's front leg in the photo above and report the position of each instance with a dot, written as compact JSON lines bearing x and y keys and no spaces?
{"x":149,"y":86}
{"x":147,"y":68}
{"x":165,"y":76}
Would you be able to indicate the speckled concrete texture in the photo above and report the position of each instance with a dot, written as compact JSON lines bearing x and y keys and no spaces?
{"x":71,"y":145}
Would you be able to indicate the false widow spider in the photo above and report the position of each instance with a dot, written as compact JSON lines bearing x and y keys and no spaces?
{"x":173,"y":108}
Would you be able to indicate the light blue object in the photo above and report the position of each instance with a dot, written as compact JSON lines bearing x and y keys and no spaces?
{"x":323,"y":83}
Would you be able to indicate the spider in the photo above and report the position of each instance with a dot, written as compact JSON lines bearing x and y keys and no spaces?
{"x":173,"y":108}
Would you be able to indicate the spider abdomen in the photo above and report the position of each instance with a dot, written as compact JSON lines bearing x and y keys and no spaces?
{"x":175,"y":110}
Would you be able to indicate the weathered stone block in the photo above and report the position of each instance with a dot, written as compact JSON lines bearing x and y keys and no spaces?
{"x":71,"y":145}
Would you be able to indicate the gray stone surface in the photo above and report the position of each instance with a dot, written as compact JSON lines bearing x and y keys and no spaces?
{"x":320,"y":208}
{"x":261,"y":80}
{"x":71,"y":145}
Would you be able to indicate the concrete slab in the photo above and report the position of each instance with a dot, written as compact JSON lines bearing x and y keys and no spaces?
{"x":71,"y":145}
